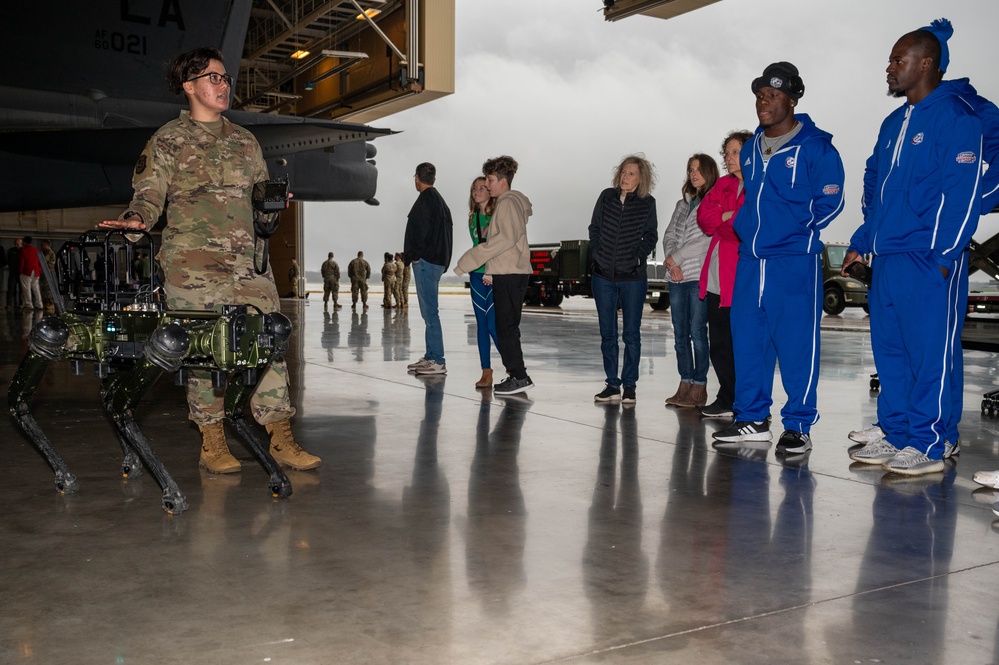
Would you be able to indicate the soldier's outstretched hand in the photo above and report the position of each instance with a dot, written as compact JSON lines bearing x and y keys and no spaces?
{"x":134,"y":223}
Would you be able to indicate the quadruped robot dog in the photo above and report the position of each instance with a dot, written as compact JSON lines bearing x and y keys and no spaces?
{"x":108,"y":317}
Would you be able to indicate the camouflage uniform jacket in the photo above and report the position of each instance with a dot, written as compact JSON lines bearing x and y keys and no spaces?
{"x":358,"y":270}
{"x":208,"y":244}
{"x":330,"y":271}
{"x":50,"y":259}
{"x":388,"y":272}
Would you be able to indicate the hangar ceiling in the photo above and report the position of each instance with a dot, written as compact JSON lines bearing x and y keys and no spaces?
{"x":355,"y":60}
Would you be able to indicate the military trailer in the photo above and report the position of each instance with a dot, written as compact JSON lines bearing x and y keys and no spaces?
{"x":564,"y":269}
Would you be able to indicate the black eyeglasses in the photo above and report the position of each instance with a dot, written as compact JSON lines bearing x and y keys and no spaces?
{"x":215,"y":78}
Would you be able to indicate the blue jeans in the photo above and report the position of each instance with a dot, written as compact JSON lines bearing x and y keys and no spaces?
{"x":690,"y":329}
{"x":427,"y":277}
{"x":631,"y":297}
{"x":485,"y":316}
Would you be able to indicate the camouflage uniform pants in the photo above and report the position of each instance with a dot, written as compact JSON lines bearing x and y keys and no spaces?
{"x":390,"y":291}
{"x":357,"y":285}
{"x":207,"y":280}
{"x":398,"y":293}
{"x":331,"y":287}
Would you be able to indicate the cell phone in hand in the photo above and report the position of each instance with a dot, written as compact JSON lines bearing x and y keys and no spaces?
{"x":860,"y":270}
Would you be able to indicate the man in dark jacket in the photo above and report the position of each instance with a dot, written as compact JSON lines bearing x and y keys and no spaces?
{"x":428,"y":248}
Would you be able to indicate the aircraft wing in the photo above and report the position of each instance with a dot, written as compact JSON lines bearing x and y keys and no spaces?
{"x":65,"y":168}
{"x":118,"y":146}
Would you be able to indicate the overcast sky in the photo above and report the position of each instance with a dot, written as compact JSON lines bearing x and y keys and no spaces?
{"x":568,"y":95}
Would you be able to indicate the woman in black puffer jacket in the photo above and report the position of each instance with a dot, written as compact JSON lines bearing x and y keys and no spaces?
{"x":623,"y":232}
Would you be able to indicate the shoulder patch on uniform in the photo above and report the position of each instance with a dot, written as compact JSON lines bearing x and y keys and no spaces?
{"x":967,"y":157}
{"x":830,"y":189}
{"x":140,"y":165}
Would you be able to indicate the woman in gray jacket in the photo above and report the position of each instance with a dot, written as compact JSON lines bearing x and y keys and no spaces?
{"x":685,"y":247}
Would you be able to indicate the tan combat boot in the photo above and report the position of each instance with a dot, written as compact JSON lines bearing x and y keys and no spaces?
{"x":286,"y":451}
{"x":215,"y":455}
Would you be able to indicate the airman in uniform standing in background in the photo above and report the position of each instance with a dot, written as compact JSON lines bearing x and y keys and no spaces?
{"x":294,"y":276}
{"x":359,"y":271}
{"x":389,"y":281}
{"x":331,"y":282}
{"x":206,"y":167}
{"x":401,"y":281}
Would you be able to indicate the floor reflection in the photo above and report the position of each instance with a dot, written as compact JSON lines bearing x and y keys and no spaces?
{"x":911,"y":544}
{"x":358,"y":338}
{"x":615,"y":569}
{"x":496,"y":531}
{"x":330,"y":338}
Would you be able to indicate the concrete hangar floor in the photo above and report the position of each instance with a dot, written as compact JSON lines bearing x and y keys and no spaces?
{"x":451,"y":526}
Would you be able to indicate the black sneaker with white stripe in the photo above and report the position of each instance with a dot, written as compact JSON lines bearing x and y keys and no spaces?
{"x":745,"y":431}
{"x":793,"y":443}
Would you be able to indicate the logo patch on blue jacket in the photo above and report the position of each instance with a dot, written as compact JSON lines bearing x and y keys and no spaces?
{"x":789,"y":162}
{"x":966,"y":157}
{"x":831,"y":189}
{"x":917,"y":139}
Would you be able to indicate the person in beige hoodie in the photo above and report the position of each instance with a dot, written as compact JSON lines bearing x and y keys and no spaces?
{"x":507,"y":258}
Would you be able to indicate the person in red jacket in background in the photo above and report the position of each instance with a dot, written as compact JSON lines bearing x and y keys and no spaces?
{"x":714,"y":216}
{"x":31,"y":270}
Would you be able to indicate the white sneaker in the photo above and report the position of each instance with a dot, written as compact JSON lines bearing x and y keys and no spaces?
{"x":431,"y":368}
{"x":870,"y":435}
{"x":877,"y":452}
{"x":912,"y":462}
{"x":951,"y":449}
{"x":987,"y":479}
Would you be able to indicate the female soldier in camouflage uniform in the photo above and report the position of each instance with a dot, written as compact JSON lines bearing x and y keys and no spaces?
{"x":205,"y":167}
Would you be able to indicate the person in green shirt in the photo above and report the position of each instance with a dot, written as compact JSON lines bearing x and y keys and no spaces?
{"x":480,"y":210}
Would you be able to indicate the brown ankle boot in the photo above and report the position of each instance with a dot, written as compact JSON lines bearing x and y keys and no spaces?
{"x":688,"y":398}
{"x":487,"y":379}
{"x":698,"y":395}
{"x":286,"y":451}
{"x":215,"y":455}
{"x":679,"y":398}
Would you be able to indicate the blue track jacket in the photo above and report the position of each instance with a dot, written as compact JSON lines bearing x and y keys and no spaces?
{"x":922,"y":184}
{"x":790,"y":198}
{"x":989,"y":115}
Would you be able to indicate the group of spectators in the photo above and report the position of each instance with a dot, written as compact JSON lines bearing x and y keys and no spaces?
{"x":498,"y":265}
{"x":22,"y":282}
{"x":746,"y":281}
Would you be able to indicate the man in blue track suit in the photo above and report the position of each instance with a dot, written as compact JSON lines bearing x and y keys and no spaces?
{"x":922,"y":201}
{"x":794,"y":188}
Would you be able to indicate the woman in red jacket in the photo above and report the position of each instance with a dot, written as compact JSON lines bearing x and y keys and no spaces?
{"x":715,"y":216}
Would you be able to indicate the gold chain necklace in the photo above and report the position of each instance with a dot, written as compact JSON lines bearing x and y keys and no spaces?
{"x":778,"y":141}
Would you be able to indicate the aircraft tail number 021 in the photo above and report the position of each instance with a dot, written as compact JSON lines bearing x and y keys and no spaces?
{"x":105,"y":40}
